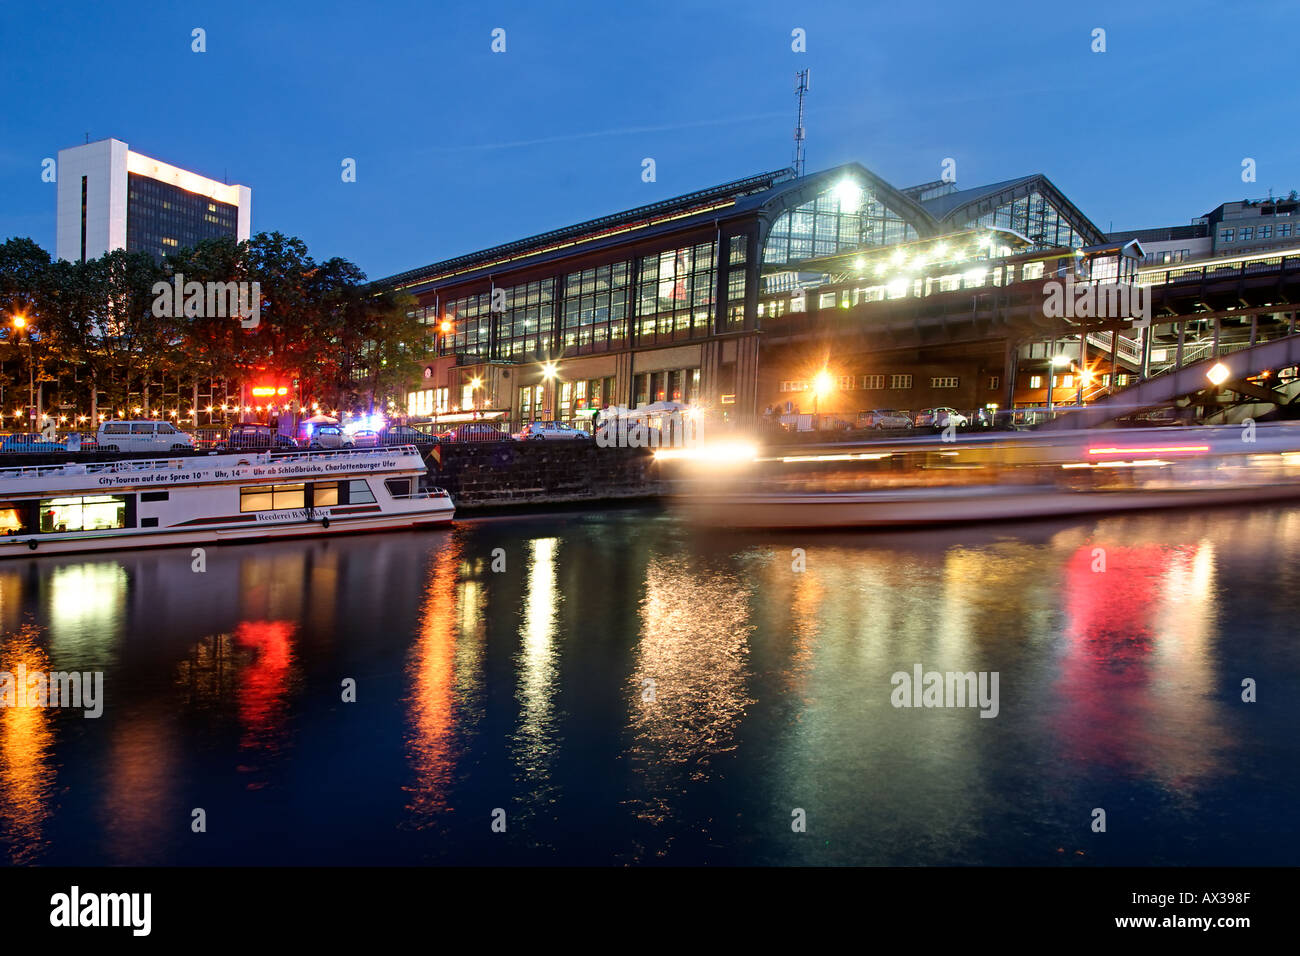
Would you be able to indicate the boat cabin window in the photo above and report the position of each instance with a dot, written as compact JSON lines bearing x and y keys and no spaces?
{"x":359,"y":492}
{"x":324,"y":494}
{"x":398,"y":487}
{"x":13,"y":517}
{"x":272,"y":497}
{"x":83,"y":513}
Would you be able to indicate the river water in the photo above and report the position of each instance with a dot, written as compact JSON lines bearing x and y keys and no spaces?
{"x":618,"y":688}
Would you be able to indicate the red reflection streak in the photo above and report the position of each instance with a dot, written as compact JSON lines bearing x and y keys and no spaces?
{"x":1106,"y":673}
{"x":263,"y":683}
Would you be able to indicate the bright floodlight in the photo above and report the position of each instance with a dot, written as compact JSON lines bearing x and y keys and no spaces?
{"x":849,"y":195}
{"x":548,"y":370}
{"x":1060,"y":361}
{"x":1218,"y":374}
{"x":823,"y":383}
{"x":476,"y":382}
{"x":20,"y":321}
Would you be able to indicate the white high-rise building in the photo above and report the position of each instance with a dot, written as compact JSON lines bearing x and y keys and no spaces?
{"x":113,"y":198}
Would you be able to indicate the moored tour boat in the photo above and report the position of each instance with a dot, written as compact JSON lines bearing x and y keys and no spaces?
{"x":71,"y":508}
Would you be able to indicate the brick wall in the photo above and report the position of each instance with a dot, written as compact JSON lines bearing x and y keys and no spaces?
{"x":501,"y":474}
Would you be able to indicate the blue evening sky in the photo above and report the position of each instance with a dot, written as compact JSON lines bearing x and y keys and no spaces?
{"x":458,"y":148}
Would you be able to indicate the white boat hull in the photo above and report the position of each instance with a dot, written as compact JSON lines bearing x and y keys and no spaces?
{"x":71,"y":509}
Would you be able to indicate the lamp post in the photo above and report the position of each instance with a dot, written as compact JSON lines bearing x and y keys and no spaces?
{"x":20,"y":327}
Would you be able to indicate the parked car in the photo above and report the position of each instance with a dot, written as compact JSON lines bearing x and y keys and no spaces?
{"x":940,"y":417}
{"x":552,"y":431}
{"x":474,"y":431}
{"x":883,"y":418}
{"x":405,"y":435}
{"x":25,"y":443}
{"x":365,"y":438}
{"x":252,"y":436}
{"x":143,"y":435}
{"x":329,"y":436}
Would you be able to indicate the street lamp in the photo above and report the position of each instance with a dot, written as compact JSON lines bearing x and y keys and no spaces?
{"x":823,"y":385}
{"x":20,"y":325}
{"x":1218,"y":373}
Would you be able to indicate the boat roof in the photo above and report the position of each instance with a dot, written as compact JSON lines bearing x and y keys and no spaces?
{"x":266,"y":464}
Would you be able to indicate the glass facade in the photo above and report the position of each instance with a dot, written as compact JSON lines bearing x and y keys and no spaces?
{"x":1035,"y":217}
{"x":525,"y":328}
{"x":471,"y":325}
{"x":595,"y":309}
{"x":162,"y":218}
{"x":836,"y":220}
{"x":675,"y":295}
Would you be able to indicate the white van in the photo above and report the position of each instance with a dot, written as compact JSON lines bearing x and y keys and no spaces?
{"x":142,"y":436}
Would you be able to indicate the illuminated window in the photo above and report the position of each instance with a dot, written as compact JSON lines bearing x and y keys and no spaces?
{"x":12,"y":518}
{"x":325,"y":494}
{"x":944,"y":382}
{"x":900,"y":381}
{"x":88,"y":513}
{"x":272,"y":497}
{"x":994,"y":381}
{"x":873,"y":381}
{"x":1035,"y":381}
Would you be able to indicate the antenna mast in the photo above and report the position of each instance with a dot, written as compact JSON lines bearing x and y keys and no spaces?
{"x":800,"y":89}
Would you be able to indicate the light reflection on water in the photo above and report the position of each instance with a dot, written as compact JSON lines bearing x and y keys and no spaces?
{"x":630,"y":690}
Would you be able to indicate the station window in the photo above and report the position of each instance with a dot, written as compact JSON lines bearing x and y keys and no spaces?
{"x":994,"y":382}
{"x":947,"y":381}
{"x":873,"y":381}
{"x":1035,"y":381}
{"x":1228,"y":235}
{"x":1247,"y":233}
{"x":272,"y":497}
{"x":900,"y":381}
{"x":88,"y":513}
{"x":737,"y":250}
{"x":1284,"y":230}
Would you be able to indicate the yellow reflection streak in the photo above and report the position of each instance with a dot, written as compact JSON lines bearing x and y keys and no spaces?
{"x":26,"y":739}
{"x":537,"y":665}
{"x":432,"y":701}
{"x":694,"y":646}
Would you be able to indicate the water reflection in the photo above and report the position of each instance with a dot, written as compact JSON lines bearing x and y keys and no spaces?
{"x":27,"y":768}
{"x":253,"y":669}
{"x":692,"y":654}
{"x":432,"y":702}
{"x":535,"y":740}
{"x":1136,"y":679}
{"x":771,"y":686}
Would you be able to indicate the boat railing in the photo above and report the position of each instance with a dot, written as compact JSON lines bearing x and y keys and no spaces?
{"x":418,"y":495}
{"x":196,"y":461}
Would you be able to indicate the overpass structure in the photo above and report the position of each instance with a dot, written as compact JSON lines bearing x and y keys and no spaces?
{"x":1200,"y":314}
